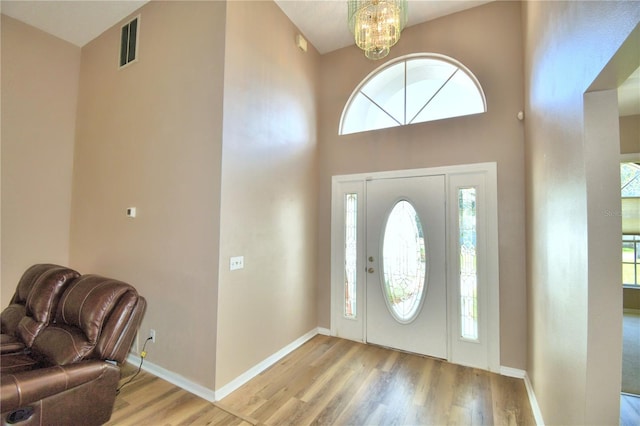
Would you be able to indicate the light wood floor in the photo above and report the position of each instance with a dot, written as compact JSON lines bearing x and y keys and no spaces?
{"x":331,"y":381}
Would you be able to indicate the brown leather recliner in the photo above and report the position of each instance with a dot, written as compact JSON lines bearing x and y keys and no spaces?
{"x":71,"y":374}
{"x":33,"y":305}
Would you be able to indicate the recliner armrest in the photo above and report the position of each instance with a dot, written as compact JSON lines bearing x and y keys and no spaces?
{"x":27,"y":387}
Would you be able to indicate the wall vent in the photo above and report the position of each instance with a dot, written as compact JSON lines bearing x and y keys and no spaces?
{"x":129,"y":42}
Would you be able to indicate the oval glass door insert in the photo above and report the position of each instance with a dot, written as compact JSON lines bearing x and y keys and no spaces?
{"x":404,"y":262}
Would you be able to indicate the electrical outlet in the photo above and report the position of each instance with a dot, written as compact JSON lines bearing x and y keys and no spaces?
{"x":152,"y":334}
{"x":236,"y":262}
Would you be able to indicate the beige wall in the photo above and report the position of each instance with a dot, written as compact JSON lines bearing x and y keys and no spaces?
{"x":486,"y":39}
{"x":268,"y":189}
{"x":149,"y":136}
{"x":38,"y":127}
{"x":630,"y":134}
{"x":572,"y":175}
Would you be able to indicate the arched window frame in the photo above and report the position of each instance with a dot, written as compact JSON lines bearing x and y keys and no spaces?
{"x":407,"y":58}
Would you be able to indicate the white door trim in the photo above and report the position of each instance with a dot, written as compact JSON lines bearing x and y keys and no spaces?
{"x":491,"y":274}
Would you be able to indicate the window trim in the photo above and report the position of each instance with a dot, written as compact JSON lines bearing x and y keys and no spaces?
{"x":137,"y":18}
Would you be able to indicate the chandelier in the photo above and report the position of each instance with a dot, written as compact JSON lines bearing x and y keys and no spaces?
{"x":376,"y":25}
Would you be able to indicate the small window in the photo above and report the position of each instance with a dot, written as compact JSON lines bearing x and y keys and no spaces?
{"x":630,"y":192}
{"x":129,"y":42}
{"x":412,"y":89}
{"x":631,"y":260}
{"x":629,"y":180}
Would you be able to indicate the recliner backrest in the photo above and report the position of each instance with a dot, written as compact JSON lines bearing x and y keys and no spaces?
{"x":34,"y":303}
{"x":97,"y":318}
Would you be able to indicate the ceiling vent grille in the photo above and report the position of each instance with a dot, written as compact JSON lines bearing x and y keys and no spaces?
{"x":129,"y":42}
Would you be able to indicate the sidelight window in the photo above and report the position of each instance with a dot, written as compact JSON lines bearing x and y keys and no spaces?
{"x":350,"y":254}
{"x":467,"y":225}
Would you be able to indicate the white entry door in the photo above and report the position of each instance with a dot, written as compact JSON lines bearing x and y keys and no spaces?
{"x":391,"y":238}
{"x":406,"y":295}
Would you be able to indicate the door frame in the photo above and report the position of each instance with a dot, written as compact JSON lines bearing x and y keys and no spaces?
{"x":355,"y":329}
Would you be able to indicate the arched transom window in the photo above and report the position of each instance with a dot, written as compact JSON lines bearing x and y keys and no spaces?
{"x":412,"y":89}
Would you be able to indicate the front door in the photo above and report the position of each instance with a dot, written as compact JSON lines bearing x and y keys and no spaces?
{"x":406,"y":297}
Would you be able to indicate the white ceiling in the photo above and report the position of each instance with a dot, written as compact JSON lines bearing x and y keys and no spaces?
{"x":77,"y":22}
{"x":322,"y":22}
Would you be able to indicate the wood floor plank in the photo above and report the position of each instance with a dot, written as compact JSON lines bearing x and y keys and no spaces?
{"x":510,"y":402}
{"x":291,"y":388}
{"x":331,"y":381}
{"x":212,"y":415}
{"x":365,"y":400}
{"x":424,"y":382}
{"x":342,"y":399}
{"x":441,"y":393}
{"x":339,"y":369}
{"x":152,"y":414}
{"x":473,"y":391}
{"x":459,"y":416}
{"x":158,"y":391}
{"x":316,"y":404}
{"x":285,"y":414}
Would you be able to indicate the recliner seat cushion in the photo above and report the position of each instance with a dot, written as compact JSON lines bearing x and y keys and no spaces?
{"x":61,"y":344}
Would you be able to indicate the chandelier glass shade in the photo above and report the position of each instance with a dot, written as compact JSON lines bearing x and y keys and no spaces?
{"x":376,"y":24}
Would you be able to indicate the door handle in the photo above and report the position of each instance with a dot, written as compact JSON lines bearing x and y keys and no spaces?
{"x":370,"y":270}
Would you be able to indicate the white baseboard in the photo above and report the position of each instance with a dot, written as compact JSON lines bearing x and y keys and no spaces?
{"x":324,"y":331}
{"x":537,"y":413}
{"x":263,"y":365}
{"x":210,"y":395}
{"x":173,"y":378}
{"x":512,"y":372}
